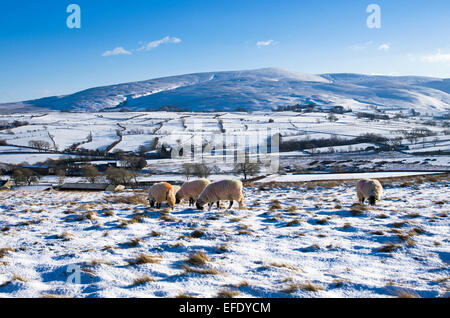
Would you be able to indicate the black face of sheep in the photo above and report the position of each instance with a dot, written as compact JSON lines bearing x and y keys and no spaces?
{"x":152,"y":203}
{"x":177,"y":199}
{"x":372,"y":200}
{"x":199,"y":205}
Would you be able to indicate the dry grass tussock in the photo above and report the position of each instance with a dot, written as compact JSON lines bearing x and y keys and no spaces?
{"x":142,"y":259}
{"x":135,"y":199}
{"x":143,"y":280}
{"x":198,"y":258}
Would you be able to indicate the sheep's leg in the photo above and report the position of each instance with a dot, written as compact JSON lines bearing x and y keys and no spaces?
{"x":210,"y":206}
{"x":231,"y":204}
{"x":191,"y":202}
{"x":241,"y":203}
{"x":159,"y":205}
{"x":152,"y":204}
{"x":218,"y":205}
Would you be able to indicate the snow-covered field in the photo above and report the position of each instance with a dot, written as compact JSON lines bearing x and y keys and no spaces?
{"x":146,"y":131}
{"x":305,"y":240}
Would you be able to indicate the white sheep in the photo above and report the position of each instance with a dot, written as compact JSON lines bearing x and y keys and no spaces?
{"x":161,"y":192}
{"x":230,"y":190}
{"x":369,"y":189}
{"x":191,"y":190}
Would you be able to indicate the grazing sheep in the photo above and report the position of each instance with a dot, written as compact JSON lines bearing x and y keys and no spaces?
{"x":191,"y":190}
{"x":161,"y":192}
{"x":230,"y":190}
{"x":176,"y":188}
{"x":369,"y":189}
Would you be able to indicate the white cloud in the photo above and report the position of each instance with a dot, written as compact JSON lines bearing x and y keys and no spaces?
{"x":265,"y":43}
{"x":438,"y":57}
{"x":384,"y":47}
{"x":361,"y":46}
{"x":117,"y":51}
{"x":154,"y":44}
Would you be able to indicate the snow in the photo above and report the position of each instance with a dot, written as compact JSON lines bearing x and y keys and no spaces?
{"x":340,"y":176}
{"x":262,"y":89}
{"x":327,"y":245}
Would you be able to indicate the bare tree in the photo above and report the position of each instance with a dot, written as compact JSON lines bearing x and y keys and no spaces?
{"x":91,"y":173}
{"x":247,"y":168}
{"x":24,"y":176}
{"x":39,"y":144}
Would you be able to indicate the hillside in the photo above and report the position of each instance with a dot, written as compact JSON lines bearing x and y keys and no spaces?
{"x":263,"y":90}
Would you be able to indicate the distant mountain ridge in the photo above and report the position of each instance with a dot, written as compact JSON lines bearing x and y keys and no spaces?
{"x":257,"y":90}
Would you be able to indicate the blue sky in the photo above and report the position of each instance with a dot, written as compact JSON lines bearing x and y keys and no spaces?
{"x":121,"y":41}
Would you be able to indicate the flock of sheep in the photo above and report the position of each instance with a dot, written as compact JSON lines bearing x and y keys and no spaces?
{"x":202,"y":192}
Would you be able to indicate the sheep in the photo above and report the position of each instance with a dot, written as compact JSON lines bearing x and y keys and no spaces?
{"x":222,"y":190}
{"x":369,"y":189}
{"x":191,"y":190}
{"x":161,"y":192}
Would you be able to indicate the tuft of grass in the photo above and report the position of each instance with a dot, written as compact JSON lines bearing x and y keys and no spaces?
{"x":122,"y":224}
{"x":347,"y":225}
{"x":65,"y":236}
{"x":227,"y":294}
{"x":292,"y":209}
{"x":143,"y":280}
{"x":291,"y":288}
{"x":405,"y":294}
{"x":197,"y":259}
{"x":5,"y":251}
{"x":310,"y":287}
{"x":108,"y":212}
{"x":183,"y":295}
{"x":197,"y":234}
{"x":96,"y":262}
{"x":389,"y":248}
{"x":276,"y":205}
{"x":293,"y":222}
{"x":137,"y":218}
{"x":284,"y":265}
{"x":206,"y":271}
{"x":142,"y":259}
{"x":136,"y":199}
{"x":398,"y":225}
{"x":222,"y":249}
{"x":377,"y":232}
{"x":322,"y":221}
{"x":134,"y":242}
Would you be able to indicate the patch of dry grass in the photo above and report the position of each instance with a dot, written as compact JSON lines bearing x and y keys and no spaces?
{"x":142,"y":259}
{"x":202,"y":271}
{"x":228,"y":294}
{"x":389,"y":248}
{"x":293,"y":222}
{"x":134,"y":242}
{"x":65,"y":236}
{"x":143,"y":280}
{"x":5,"y":251}
{"x":197,"y":234}
{"x":135,"y":199}
{"x":310,"y":287}
{"x":198,"y":258}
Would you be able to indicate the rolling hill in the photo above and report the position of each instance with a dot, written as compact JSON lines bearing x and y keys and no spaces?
{"x":258,"y":90}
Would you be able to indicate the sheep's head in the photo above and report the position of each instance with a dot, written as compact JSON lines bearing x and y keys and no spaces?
{"x":178,"y":198}
{"x":200,"y":204}
{"x":372,"y":200}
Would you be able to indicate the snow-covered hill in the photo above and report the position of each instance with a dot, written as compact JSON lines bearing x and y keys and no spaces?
{"x":263,"y":89}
